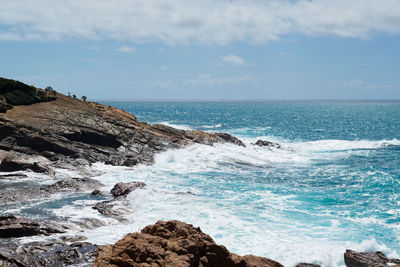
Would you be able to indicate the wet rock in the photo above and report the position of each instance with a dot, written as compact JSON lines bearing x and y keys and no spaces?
{"x":17,"y":226}
{"x":115,"y":208}
{"x":13,"y":175}
{"x":230,"y":139}
{"x":51,"y":254}
{"x":96,"y":193}
{"x":262,"y":143}
{"x":367,"y":259}
{"x":307,"y":265}
{"x":9,"y":165}
{"x":173,"y":243}
{"x":123,"y":189}
{"x":77,"y":184}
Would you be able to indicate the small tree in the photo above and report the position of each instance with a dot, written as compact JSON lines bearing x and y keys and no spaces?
{"x":49,"y":89}
{"x":84,"y":98}
{"x":74,"y":96}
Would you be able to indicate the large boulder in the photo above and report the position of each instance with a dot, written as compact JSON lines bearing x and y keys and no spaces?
{"x":367,"y":259}
{"x":173,"y":243}
{"x":17,"y":226}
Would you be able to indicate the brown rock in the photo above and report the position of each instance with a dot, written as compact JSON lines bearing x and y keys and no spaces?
{"x":367,"y":259}
{"x":173,"y":243}
{"x":64,"y":127}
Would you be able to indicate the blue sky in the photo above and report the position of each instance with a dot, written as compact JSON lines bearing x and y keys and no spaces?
{"x":204,"y":50}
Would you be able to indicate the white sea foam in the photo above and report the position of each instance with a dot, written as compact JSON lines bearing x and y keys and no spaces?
{"x":246,"y":219}
{"x":176,"y":126}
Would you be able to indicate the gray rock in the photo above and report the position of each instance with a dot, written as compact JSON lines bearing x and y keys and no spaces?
{"x":307,"y":265}
{"x":50,"y":254}
{"x":17,"y":226}
{"x":262,"y":143}
{"x":123,"y":189}
{"x":9,"y":165}
{"x":76,"y":184}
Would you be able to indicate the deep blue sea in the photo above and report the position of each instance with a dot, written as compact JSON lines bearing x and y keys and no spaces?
{"x":335,"y":184}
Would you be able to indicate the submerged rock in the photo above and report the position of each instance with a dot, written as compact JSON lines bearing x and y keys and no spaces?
{"x":307,"y":265}
{"x":262,"y":143}
{"x":17,"y":226}
{"x":50,"y":254}
{"x":123,"y":189}
{"x":173,"y":243}
{"x":367,"y":259}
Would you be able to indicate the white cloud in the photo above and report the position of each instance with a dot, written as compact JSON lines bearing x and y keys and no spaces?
{"x":364,"y":84}
{"x":191,"y":21}
{"x":208,"y":80}
{"x":126,"y":49}
{"x":233,"y":60}
{"x":164,"y":68}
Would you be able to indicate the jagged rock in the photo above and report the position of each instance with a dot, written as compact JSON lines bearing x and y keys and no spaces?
{"x":123,"y":189}
{"x":9,"y":165}
{"x":77,"y":184}
{"x":262,"y":143}
{"x":307,"y":265}
{"x":115,"y":208}
{"x":50,"y":254}
{"x":69,"y":128}
{"x":367,"y":259}
{"x":173,"y":243}
{"x":17,"y":226}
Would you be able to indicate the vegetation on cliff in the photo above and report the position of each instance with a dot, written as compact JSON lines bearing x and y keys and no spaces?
{"x":14,"y":93}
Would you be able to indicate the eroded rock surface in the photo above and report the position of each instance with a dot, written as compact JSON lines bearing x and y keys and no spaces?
{"x":173,"y":243}
{"x":64,"y":127}
{"x":368,"y":259}
{"x":50,"y":254}
{"x":9,"y":165}
{"x":75,"y":184}
{"x":17,"y":226}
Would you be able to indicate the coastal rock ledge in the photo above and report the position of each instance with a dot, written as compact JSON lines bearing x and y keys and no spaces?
{"x":173,"y":243}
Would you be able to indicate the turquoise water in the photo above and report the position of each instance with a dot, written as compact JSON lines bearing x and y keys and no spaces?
{"x":334,"y":185}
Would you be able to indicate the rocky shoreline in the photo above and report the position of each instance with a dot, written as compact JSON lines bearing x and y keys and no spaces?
{"x":43,"y":132}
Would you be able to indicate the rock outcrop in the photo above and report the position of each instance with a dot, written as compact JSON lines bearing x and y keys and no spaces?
{"x":173,"y":243}
{"x":368,"y":259}
{"x":65,"y":127}
{"x":17,"y":226}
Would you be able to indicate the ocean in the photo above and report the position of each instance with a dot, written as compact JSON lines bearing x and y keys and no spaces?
{"x":334,"y":184}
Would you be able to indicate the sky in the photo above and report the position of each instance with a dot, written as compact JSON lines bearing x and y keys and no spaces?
{"x":203,"y":50}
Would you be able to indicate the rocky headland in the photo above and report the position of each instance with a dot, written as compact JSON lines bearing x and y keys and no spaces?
{"x":42,"y":131}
